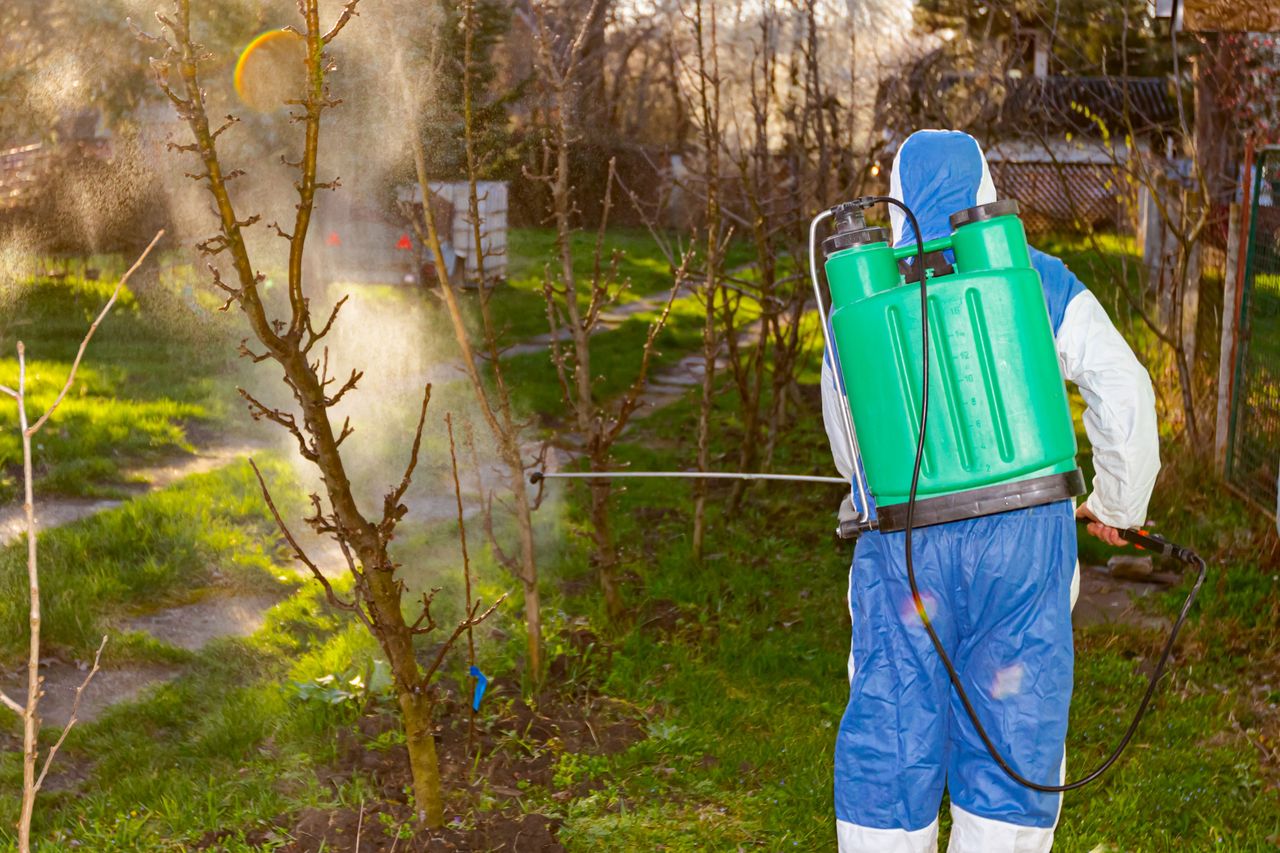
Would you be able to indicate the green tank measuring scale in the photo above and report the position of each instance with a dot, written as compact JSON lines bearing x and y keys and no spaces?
{"x":1000,"y":436}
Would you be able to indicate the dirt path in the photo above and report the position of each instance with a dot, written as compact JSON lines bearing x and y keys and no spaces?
{"x":1108,"y":600}
{"x":56,"y":511}
{"x":190,"y":627}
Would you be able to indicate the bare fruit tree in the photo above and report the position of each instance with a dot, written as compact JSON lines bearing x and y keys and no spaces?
{"x":30,"y":710}
{"x":560,"y":59}
{"x":493,"y":399}
{"x":707,"y":112}
{"x":290,"y":341}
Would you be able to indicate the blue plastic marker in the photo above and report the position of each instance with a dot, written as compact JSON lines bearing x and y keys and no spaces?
{"x":481,"y":684}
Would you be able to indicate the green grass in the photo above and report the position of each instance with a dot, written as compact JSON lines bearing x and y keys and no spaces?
{"x":232,"y":744}
{"x":519,"y":308}
{"x":148,"y":378}
{"x":158,"y":549}
{"x":229,"y":745}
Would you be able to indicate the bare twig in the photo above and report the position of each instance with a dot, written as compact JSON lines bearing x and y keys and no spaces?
{"x":75,"y":711}
{"x":332,"y":596}
{"x":392,"y":511}
{"x":471,"y":620}
{"x":492,"y":394}
{"x":348,"y":11}
{"x":30,"y":712}
{"x":466,"y":567}
{"x":10,"y":703}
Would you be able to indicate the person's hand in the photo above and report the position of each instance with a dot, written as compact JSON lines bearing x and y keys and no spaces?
{"x":1099,"y":530}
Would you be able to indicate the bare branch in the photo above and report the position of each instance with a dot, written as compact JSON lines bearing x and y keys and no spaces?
{"x":631,"y":400}
{"x":329,"y":593}
{"x":466,"y":558}
{"x":259,"y":410}
{"x":470,"y":622}
{"x":391,"y":509}
{"x":333,"y":315}
{"x":10,"y":704}
{"x":350,"y":384}
{"x":71,"y":721}
{"x":255,"y":357}
{"x":425,"y":616}
{"x":348,"y":11}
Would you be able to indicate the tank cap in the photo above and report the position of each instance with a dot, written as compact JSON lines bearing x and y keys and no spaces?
{"x":848,"y":239}
{"x":851,"y":229}
{"x":1003,"y":207}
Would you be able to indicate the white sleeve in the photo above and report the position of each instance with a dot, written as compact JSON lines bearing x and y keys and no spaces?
{"x":834,"y":421}
{"x":1120,"y":418}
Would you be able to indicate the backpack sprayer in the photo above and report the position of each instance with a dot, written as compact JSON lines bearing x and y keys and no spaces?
{"x":1006,"y":442}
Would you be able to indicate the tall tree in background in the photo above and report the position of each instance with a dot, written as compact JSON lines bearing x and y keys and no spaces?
{"x":706,"y":83}
{"x":1086,"y":37}
{"x":463,"y":39}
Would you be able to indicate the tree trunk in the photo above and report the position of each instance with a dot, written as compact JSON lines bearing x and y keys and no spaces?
{"x":428,"y":793}
{"x":528,"y":574}
{"x":709,"y":97}
{"x":606,"y":556}
{"x":533,"y":627}
{"x":704,"y":412}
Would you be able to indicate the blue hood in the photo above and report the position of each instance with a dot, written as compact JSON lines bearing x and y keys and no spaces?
{"x":937,"y":173}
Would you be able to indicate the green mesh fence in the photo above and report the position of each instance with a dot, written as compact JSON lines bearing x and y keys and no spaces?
{"x":1253,"y":449}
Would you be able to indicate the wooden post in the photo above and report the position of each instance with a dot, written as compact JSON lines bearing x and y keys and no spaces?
{"x":1233,"y":292}
{"x":1227,"y":348}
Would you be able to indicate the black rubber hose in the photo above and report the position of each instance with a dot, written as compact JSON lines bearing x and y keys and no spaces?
{"x":1185,"y":554}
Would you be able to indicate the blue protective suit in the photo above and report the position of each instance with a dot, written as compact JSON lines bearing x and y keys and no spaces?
{"x":999,"y":589}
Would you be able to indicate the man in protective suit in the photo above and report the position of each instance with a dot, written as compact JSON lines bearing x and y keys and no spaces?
{"x":999,"y":589}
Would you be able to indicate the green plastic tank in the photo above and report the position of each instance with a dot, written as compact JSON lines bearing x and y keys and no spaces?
{"x":998,"y":411}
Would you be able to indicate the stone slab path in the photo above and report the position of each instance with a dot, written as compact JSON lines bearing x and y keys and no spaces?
{"x":56,"y":511}
{"x":193,"y":626}
{"x":109,"y":686}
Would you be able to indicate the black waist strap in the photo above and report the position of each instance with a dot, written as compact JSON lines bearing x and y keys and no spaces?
{"x":989,"y":500}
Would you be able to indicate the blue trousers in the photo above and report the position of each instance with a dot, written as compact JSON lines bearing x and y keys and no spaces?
{"x":998,"y":591}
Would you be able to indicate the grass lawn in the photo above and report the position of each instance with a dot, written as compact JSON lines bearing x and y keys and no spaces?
{"x":735,"y":668}
{"x":149,"y":379}
{"x":519,"y":308}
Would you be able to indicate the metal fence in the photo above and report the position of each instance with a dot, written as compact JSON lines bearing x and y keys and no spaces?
{"x":1253,"y":443}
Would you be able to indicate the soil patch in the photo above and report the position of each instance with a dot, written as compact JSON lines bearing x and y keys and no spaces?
{"x":519,"y":743}
{"x":1106,"y":600}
